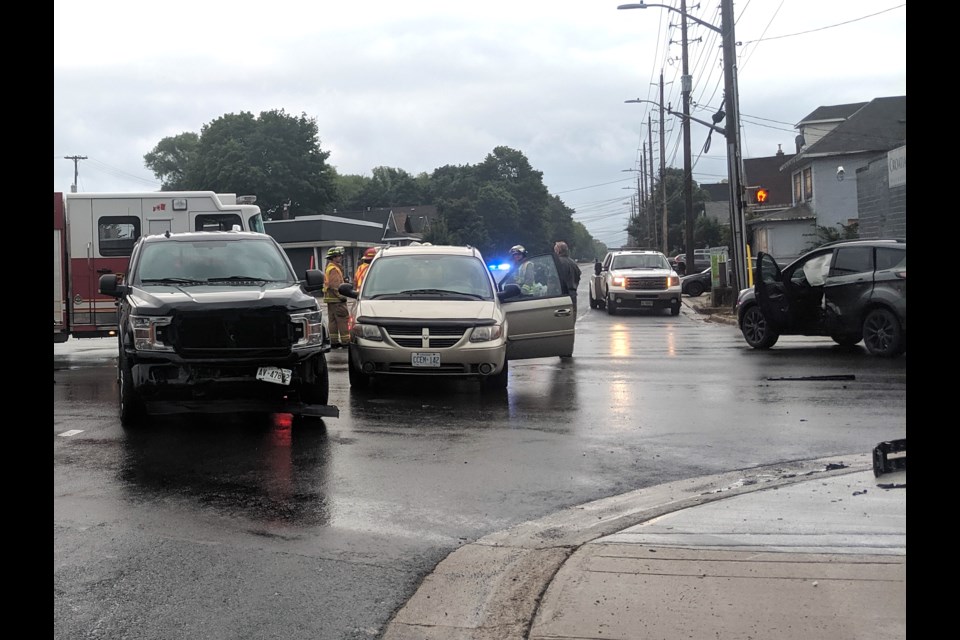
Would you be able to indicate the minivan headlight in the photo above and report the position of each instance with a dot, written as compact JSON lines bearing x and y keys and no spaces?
{"x":150,"y":332}
{"x":486,"y":333}
{"x":367,"y":332}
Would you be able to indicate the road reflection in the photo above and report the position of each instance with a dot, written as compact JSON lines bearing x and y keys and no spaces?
{"x":267,"y":469}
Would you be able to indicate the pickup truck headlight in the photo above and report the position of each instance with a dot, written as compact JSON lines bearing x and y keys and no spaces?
{"x":308,"y":328}
{"x":616,"y":281}
{"x":150,"y":332}
{"x":486,"y":333}
{"x":673,"y":281}
{"x":367,"y":332}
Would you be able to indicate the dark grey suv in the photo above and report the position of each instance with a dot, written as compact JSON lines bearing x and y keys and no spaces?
{"x":850,"y":290}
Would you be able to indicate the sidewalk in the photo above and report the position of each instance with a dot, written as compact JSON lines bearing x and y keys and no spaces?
{"x":812,"y":549}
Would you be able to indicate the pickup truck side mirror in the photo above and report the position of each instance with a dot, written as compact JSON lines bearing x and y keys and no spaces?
{"x":346,"y":289}
{"x":110,"y":285}
{"x":597,"y":268}
{"x":314,"y":280}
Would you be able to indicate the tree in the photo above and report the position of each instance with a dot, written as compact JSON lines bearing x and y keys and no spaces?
{"x":170,"y":158}
{"x":829,"y":234}
{"x":275,"y":156}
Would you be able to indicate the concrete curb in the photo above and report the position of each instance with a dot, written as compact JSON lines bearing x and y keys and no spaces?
{"x":491,"y":589}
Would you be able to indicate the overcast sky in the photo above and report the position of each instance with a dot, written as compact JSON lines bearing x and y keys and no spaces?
{"x":421,"y":84}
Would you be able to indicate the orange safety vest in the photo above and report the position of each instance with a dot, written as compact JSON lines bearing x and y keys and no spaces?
{"x":361,"y":272}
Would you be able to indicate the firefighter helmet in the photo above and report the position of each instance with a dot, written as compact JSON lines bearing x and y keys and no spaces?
{"x":518,"y":249}
{"x":333,"y":252}
{"x":369,"y":253}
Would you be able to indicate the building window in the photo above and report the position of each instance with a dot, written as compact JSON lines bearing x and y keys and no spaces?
{"x":807,"y":184}
{"x":797,"y":190}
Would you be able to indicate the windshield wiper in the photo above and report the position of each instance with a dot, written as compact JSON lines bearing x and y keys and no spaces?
{"x":440,"y":292}
{"x":231,"y":278}
{"x":172,"y":281}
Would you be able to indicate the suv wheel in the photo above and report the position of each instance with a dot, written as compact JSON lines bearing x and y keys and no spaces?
{"x":756,"y":330}
{"x":882,"y":335}
{"x":695,"y":289}
{"x":315,"y":388}
{"x":611,"y":307}
{"x":132,"y":411}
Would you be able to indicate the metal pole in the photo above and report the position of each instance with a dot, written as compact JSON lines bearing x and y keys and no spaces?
{"x":663,"y":171}
{"x":651,"y":227}
{"x":686,"y":84}
{"x":732,"y":132}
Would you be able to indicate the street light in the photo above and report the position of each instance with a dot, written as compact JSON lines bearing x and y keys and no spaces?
{"x":731,"y":131}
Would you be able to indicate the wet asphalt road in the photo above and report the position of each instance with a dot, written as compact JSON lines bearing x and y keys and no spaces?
{"x":229,"y":528}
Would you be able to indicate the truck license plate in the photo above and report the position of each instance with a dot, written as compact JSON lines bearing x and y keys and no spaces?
{"x":646,"y":303}
{"x":276,"y":375}
{"x":425,"y":359}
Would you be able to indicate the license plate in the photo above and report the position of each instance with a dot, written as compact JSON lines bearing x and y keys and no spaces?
{"x":646,"y":303}
{"x":276,"y":375}
{"x":421,"y":359}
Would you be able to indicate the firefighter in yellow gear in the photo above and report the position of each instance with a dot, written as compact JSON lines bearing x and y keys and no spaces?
{"x":338,"y":316}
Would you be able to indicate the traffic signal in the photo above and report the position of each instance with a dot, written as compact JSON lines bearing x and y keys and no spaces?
{"x":761,"y":195}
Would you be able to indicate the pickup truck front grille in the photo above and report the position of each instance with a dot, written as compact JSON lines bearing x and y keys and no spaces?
{"x":655,"y":284}
{"x":232,"y":334}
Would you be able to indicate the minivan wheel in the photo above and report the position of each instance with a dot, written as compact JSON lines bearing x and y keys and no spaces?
{"x":756,"y":330}
{"x":498,"y":381}
{"x":882,"y":335}
{"x":358,"y":379}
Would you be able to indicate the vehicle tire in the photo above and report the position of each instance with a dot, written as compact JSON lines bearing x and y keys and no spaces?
{"x":593,"y":302}
{"x":611,"y":307}
{"x":847,"y":340}
{"x":675,"y":309}
{"x":756,"y":330}
{"x":498,"y":381}
{"x":315,"y":388}
{"x":882,"y":335}
{"x":695,"y":289}
{"x":358,"y":379}
{"x":132,"y":410}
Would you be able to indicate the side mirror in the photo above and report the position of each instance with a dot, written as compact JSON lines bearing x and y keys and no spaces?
{"x":510,"y":291}
{"x":314,"y":280}
{"x":110,"y":285}
{"x":346,"y":289}
{"x":597,"y":268}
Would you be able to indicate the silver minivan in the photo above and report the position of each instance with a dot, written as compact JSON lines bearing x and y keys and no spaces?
{"x":435,"y":310}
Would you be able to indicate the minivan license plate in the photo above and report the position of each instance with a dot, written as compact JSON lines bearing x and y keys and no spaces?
{"x":276,"y":375}
{"x":425,"y":359}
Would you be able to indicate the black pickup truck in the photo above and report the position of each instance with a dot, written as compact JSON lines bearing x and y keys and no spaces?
{"x":217,"y":321}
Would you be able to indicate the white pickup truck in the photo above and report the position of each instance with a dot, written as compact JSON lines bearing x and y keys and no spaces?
{"x":635,"y":279}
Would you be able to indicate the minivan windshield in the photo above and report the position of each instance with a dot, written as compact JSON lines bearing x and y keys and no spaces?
{"x":429,"y":275}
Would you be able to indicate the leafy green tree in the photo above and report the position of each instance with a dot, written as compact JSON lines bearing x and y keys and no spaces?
{"x":170,"y":158}
{"x":510,"y":170}
{"x":275,"y":156}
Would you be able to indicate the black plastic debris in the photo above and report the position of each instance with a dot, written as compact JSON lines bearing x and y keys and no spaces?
{"x":890,"y":456}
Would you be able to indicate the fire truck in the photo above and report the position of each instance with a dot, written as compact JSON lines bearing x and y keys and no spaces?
{"x":94,"y":233}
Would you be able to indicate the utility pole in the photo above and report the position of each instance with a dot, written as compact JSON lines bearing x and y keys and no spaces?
{"x":73,"y":187}
{"x":732,"y":132}
{"x":686,"y":84}
{"x":651,"y":226}
{"x":663,"y":183}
